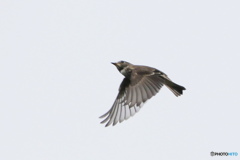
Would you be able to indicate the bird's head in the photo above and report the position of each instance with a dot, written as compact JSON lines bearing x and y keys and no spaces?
{"x":121,"y":65}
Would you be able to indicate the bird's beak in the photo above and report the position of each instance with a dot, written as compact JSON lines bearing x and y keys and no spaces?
{"x":115,"y":64}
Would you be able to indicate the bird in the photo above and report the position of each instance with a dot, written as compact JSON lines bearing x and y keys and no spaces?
{"x":140,"y":84}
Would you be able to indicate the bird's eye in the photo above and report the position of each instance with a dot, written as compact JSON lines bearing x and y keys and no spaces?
{"x":122,"y":62}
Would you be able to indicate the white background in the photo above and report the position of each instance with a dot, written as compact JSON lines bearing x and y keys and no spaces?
{"x":56,"y":78}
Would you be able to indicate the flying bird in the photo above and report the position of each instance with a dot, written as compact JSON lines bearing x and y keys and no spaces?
{"x":139,"y":85}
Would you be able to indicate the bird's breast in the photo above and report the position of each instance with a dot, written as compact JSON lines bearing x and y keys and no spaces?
{"x":126,"y":72}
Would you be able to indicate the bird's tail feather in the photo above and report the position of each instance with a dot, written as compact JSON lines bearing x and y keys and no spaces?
{"x":175,"y":88}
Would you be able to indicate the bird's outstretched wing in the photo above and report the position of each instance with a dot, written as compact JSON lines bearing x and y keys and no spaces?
{"x":132,"y":95}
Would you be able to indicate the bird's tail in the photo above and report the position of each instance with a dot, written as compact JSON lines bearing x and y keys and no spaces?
{"x":175,"y":88}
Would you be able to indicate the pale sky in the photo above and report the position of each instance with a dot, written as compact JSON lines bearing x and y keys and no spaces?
{"x":57,"y":79}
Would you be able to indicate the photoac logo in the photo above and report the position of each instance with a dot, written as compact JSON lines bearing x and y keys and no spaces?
{"x":223,"y":153}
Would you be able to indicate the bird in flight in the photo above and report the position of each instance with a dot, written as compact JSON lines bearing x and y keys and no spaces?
{"x":139,"y":85}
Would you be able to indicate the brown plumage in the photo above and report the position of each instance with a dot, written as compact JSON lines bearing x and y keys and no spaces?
{"x":139,"y":85}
